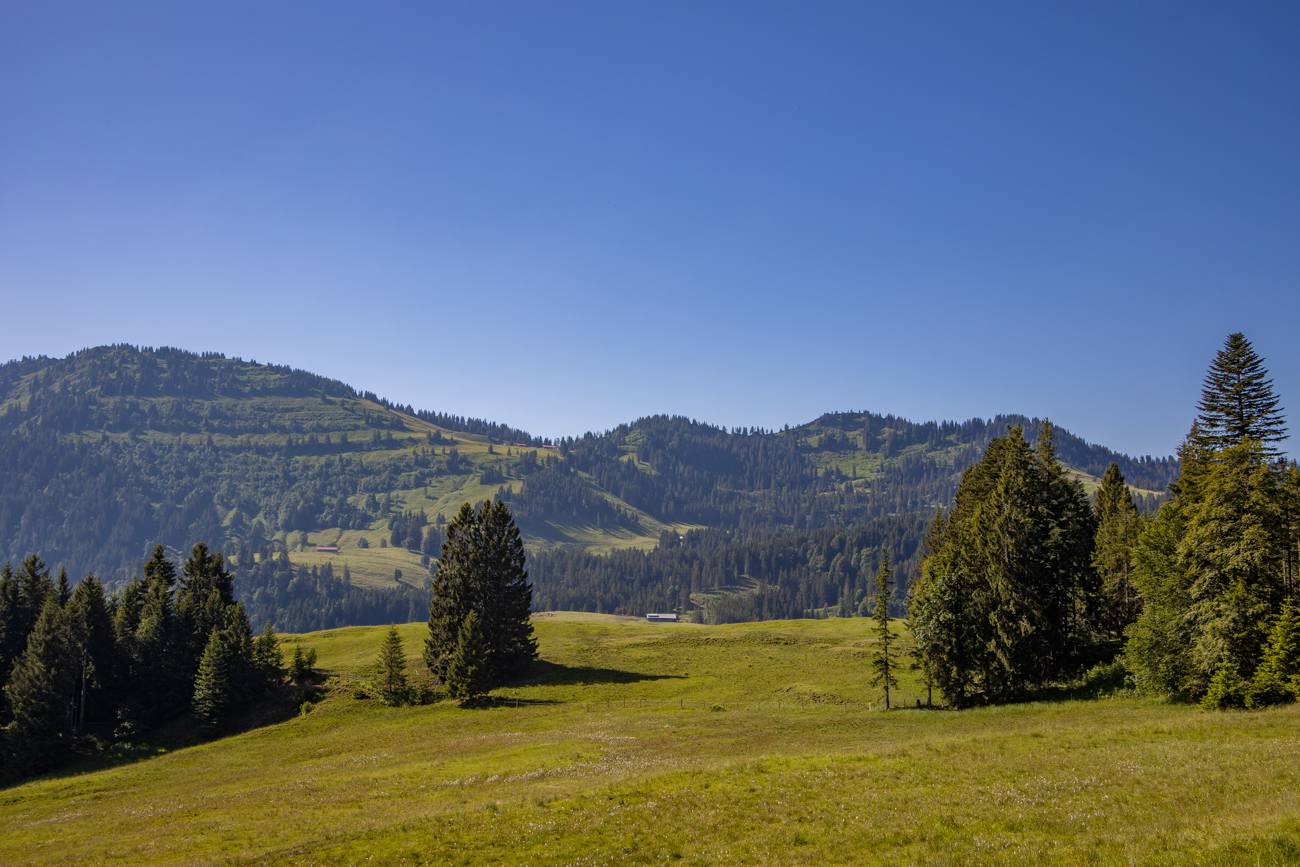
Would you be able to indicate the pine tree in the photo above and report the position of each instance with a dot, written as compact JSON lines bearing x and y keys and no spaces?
{"x":391,"y":668}
{"x":1232,"y":549}
{"x":212,"y":688}
{"x":1278,"y":674}
{"x":268,"y":657}
{"x":1158,"y":650}
{"x":40,"y":693}
{"x":1226,"y":689}
{"x":1007,"y":588}
{"x":94,"y":654}
{"x":1118,"y":526}
{"x":468,"y":670}
{"x":1237,"y":400}
{"x":482,"y":571}
{"x":883,"y":657}
{"x":160,"y":568}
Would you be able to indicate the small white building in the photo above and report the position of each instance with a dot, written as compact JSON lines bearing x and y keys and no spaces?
{"x":661,"y":618}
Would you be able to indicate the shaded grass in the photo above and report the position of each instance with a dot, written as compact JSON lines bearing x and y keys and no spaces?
{"x":1100,"y":782}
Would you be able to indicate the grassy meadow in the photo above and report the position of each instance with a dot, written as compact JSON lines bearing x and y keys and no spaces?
{"x":634,"y":743}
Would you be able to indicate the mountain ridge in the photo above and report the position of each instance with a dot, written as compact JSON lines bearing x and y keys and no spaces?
{"x":110,"y":450}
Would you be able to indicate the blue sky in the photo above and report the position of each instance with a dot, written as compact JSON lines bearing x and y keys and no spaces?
{"x":567,"y":215}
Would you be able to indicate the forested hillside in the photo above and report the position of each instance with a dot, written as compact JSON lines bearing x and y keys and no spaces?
{"x":111,"y":450}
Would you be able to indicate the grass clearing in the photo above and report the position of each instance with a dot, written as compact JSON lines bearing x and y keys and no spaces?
{"x":600,"y":765}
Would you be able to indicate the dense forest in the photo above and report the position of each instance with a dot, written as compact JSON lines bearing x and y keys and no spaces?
{"x":728,"y":577}
{"x":110,"y":451}
{"x":80,"y":667}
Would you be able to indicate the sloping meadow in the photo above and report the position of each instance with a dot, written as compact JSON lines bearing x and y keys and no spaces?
{"x":632,"y":743}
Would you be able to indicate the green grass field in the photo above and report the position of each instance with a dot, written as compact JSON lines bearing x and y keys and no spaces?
{"x":635,"y":743}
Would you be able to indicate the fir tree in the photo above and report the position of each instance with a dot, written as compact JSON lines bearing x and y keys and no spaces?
{"x":94,"y":654}
{"x":160,"y":568}
{"x":267,"y":655}
{"x":1118,"y":526}
{"x":1227,"y":689}
{"x":1232,"y":549}
{"x":40,"y":693}
{"x":212,"y":688}
{"x":391,"y":668}
{"x":1278,"y":675}
{"x":482,"y":571}
{"x":1237,"y":400}
{"x":468,"y":670}
{"x":883,"y":657}
{"x":1158,"y":650}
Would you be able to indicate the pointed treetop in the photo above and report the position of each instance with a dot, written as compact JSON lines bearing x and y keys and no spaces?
{"x":1237,"y":400}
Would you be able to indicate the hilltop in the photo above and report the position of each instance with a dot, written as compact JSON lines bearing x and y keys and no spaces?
{"x":112,"y":449}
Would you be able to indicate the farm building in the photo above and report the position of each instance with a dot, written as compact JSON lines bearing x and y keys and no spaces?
{"x":661,"y":618}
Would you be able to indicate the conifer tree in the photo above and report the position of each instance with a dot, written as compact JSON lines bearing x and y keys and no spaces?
{"x":1237,"y":400}
{"x":468,"y":670}
{"x":267,"y":655}
{"x":1118,"y":526}
{"x":160,"y":568}
{"x":40,"y":693}
{"x":883,"y":657}
{"x":391,"y":668}
{"x":1232,"y":550}
{"x":212,"y":688}
{"x":482,"y":571}
{"x":1227,"y":688}
{"x":1158,"y":650}
{"x":1277,"y":678}
{"x":94,"y":654}
{"x":1006,"y":596}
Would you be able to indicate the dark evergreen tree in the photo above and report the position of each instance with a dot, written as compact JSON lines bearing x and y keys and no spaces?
{"x":94,"y":656}
{"x":1118,"y":526}
{"x":1237,"y":400}
{"x":1232,"y":550}
{"x":1277,"y":678}
{"x":469,"y":668}
{"x":883,"y":657}
{"x":159,"y":568}
{"x":1004,"y":601}
{"x":40,"y":693}
{"x":157,"y":648}
{"x":268,"y":657}
{"x":213,"y":693}
{"x":482,"y":571}
{"x":390,"y":669}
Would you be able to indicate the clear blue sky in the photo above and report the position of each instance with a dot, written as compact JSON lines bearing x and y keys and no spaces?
{"x":567,"y":215}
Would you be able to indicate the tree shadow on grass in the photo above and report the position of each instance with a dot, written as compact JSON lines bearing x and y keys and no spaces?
{"x":545,"y":673}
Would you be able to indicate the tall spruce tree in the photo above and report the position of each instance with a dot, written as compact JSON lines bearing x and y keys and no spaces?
{"x":40,"y":692}
{"x":94,"y":656}
{"x":213,"y":693}
{"x":1237,"y":400}
{"x":390,"y":668}
{"x":1118,"y":526}
{"x":1277,"y":678}
{"x":481,"y":570}
{"x":1232,"y":551}
{"x":1004,"y":599}
{"x":469,"y":670}
{"x":883,"y":657}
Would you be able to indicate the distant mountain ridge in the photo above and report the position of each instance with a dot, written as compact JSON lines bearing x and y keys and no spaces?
{"x":110,"y":450}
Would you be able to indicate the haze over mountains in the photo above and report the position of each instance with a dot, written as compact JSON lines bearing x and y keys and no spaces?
{"x":113,"y":449}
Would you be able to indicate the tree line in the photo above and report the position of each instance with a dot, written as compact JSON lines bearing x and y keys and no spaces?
{"x":1023,"y":582}
{"x":80,"y":667}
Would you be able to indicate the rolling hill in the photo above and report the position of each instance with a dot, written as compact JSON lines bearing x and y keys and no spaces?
{"x":111,"y":450}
